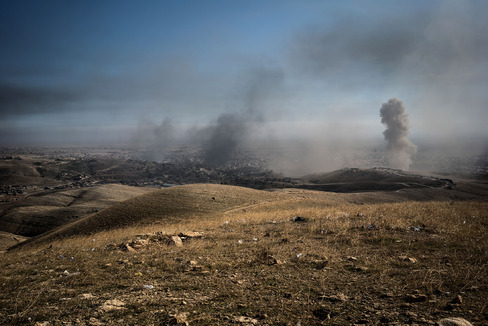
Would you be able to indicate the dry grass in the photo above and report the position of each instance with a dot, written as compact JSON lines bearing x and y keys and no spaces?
{"x":347,"y":263}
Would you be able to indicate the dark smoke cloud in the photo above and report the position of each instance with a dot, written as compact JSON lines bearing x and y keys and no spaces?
{"x":231,"y":129}
{"x":400,"y":149}
{"x":227,"y":134}
{"x":16,"y":100}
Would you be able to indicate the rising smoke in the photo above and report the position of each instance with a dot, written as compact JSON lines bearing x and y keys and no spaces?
{"x":232,"y":129}
{"x":153,"y":138}
{"x":400,"y":149}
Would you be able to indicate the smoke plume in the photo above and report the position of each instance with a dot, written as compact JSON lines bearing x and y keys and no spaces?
{"x":153,"y":138}
{"x":232,"y":129}
{"x":400,"y":149}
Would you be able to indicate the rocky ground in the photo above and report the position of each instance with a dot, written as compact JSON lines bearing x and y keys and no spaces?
{"x":393,"y":264}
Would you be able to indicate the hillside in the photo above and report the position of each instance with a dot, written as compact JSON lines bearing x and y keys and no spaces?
{"x":43,"y":211}
{"x":224,"y":255}
{"x":375,"y":179}
{"x":167,"y":206}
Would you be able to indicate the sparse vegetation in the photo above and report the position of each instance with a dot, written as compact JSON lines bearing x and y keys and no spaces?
{"x":346,"y":263}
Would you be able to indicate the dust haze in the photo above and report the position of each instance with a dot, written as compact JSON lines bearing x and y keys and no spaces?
{"x":310,"y":101}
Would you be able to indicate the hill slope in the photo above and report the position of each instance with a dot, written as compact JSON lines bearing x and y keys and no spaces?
{"x":167,"y":205}
{"x":44,"y":211}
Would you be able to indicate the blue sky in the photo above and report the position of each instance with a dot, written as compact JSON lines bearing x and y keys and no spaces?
{"x":100,"y":71}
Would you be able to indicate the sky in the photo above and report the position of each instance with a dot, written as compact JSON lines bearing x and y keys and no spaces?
{"x":96,"y":72}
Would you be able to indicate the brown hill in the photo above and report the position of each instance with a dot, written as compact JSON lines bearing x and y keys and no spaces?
{"x":8,"y":240}
{"x":375,"y":179}
{"x":205,"y":201}
{"x":44,"y":211}
{"x":166,"y":206}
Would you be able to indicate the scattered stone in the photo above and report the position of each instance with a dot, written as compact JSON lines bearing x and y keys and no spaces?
{"x":298,"y":219}
{"x":457,"y":300}
{"x":190,"y":234}
{"x":426,"y":321}
{"x":148,"y":287}
{"x":352,"y":258}
{"x":126,"y":247}
{"x":359,"y":268}
{"x":139,"y":243}
{"x":340,"y":297}
{"x":454,"y":321}
{"x":87,"y":296}
{"x":95,"y":322}
{"x":111,"y":305}
{"x":408,"y":259}
{"x":412,"y":298}
{"x":245,"y":320}
{"x":179,"y":319}
{"x":320,"y":263}
{"x":176,"y":240}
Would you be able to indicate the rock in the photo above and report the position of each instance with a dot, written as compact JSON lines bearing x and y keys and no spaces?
{"x":245,"y":320}
{"x":126,"y":247}
{"x":298,"y":219}
{"x":454,"y":321}
{"x":190,"y":234}
{"x":457,"y":300}
{"x":176,"y":240}
{"x":319,"y":263}
{"x":87,"y":296}
{"x":340,"y":297}
{"x":359,"y":268}
{"x":416,"y":298}
{"x":179,"y":319}
{"x":139,"y":243}
{"x":111,"y":305}
{"x":426,"y":321}
{"x":408,"y":259}
{"x":95,"y":322}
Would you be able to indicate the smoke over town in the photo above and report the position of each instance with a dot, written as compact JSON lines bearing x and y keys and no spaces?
{"x":303,"y":78}
{"x":231,"y":128}
{"x":400,"y":149}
